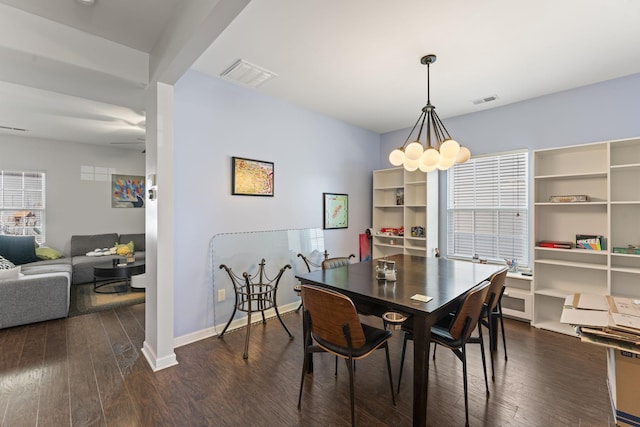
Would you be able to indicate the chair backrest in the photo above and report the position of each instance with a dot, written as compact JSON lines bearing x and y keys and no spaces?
{"x":336,"y":262}
{"x":329,"y":311}
{"x":468,"y":313}
{"x":495,"y":288}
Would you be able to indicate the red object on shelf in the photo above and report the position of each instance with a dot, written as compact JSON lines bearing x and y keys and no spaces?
{"x":555,"y":245}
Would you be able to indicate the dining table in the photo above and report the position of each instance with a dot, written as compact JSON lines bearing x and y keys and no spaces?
{"x":444,"y":282}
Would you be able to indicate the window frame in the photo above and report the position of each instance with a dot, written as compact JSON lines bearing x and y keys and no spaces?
{"x":23,"y":207}
{"x":490,"y":205}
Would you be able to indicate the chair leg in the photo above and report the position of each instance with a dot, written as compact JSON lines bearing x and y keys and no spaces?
{"x":484,"y":363}
{"x":492,"y":336}
{"x":299,"y":307}
{"x":404,"y":349}
{"x":435,"y":345}
{"x":305,"y":366}
{"x":351,"y":391}
{"x":393,"y":395}
{"x":464,"y":382}
{"x":504,"y":341}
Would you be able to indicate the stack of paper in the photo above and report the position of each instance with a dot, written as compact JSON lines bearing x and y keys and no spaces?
{"x":605,"y":320}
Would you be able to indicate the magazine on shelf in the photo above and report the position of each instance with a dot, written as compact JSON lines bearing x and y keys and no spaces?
{"x":589,"y":241}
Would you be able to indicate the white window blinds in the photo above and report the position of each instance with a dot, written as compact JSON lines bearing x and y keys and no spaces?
{"x":22,"y":203}
{"x":487,"y":208}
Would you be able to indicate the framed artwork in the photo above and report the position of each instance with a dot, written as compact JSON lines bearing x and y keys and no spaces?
{"x":251,"y":177}
{"x":336,"y":210}
{"x":127,"y":191}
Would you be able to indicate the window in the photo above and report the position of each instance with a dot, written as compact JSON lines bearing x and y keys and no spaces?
{"x":487,"y":208}
{"x":22,"y":203}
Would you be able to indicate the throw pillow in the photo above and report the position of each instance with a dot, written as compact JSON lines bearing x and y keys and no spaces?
{"x":11,"y":273}
{"x":5,"y":264}
{"x":44,"y":252}
{"x":18,"y":249}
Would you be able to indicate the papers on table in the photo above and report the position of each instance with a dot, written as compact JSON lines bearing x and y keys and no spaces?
{"x":420,"y":297}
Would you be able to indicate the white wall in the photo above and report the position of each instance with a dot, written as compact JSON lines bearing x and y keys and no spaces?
{"x":215,"y":120}
{"x":74,"y":206}
{"x":600,"y":112}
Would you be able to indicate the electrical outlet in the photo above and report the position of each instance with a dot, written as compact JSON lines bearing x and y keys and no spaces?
{"x":221,"y":295}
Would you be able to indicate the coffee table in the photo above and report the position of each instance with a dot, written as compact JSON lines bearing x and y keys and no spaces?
{"x":108,"y":273}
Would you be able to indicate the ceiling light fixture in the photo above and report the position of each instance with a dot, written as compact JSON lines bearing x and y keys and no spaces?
{"x":446,"y":150}
{"x":87,"y":2}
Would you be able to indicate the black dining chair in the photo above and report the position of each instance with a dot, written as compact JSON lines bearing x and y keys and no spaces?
{"x":492,"y":313}
{"x":455,"y":332}
{"x":335,"y":327}
{"x":324,"y":264}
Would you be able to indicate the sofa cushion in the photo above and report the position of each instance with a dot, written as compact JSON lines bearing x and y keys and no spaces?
{"x":5,"y":264}
{"x":82,"y":244}
{"x":10,"y":273}
{"x":18,"y":249}
{"x":137,"y":239}
{"x":46,"y":268}
{"x":44,"y":252}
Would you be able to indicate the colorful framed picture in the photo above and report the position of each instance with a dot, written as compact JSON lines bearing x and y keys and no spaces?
{"x":127,"y":191}
{"x":251,"y":177}
{"x":336,"y":210}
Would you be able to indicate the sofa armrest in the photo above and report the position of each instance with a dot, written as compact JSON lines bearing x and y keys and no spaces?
{"x":34,"y":298}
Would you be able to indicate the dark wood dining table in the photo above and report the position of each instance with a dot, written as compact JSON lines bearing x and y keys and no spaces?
{"x":445,"y":281}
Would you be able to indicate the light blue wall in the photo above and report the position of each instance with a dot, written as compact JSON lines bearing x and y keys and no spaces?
{"x":215,"y":120}
{"x":599,"y":112}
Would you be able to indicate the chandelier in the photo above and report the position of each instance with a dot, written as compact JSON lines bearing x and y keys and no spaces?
{"x":444,"y":152}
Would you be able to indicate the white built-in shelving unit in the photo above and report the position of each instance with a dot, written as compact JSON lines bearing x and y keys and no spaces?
{"x":609,"y":173}
{"x":405,"y":199}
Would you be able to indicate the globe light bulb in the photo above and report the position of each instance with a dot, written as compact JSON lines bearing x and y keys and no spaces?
{"x":411,"y":165}
{"x":445,"y":163}
{"x":396,"y":157}
{"x":463,"y":155}
{"x":430,"y":157}
{"x":413,"y":151}
{"x":425,"y":168}
{"x":449,"y":148}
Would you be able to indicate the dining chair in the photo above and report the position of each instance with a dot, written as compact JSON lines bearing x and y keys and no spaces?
{"x":333,"y":262}
{"x":456,"y":334}
{"x":492,"y":312}
{"x":335,"y":327}
{"x":329,"y":263}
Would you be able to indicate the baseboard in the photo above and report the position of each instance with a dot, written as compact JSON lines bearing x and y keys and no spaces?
{"x":155,"y":363}
{"x":235,"y":324}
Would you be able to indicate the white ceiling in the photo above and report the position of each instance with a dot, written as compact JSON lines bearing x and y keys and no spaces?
{"x":356,"y":60}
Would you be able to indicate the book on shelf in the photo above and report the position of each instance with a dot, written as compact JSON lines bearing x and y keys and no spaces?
{"x":590,"y":241}
{"x":631,"y":250}
{"x":570,"y":198}
{"x":555,"y":244}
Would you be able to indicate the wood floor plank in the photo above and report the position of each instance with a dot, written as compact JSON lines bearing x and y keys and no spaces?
{"x":549,"y":379}
{"x":86,"y":407}
{"x":54,"y":386}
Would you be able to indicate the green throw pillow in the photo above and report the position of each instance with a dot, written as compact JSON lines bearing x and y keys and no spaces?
{"x":44,"y":252}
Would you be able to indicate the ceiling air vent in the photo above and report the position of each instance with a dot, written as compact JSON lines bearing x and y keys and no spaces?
{"x":248,"y":74}
{"x":484,"y":100}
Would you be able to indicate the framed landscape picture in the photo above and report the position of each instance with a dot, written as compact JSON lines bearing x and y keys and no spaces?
{"x":336,"y":210}
{"x":251,"y":177}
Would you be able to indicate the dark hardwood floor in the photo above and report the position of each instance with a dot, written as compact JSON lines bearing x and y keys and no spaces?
{"x":88,"y":370}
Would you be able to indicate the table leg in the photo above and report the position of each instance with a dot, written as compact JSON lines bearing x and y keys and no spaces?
{"x":421,"y":334}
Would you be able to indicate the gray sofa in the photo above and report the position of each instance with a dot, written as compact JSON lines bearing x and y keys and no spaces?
{"x":83,"y":244}
{"x":43,"y":291}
